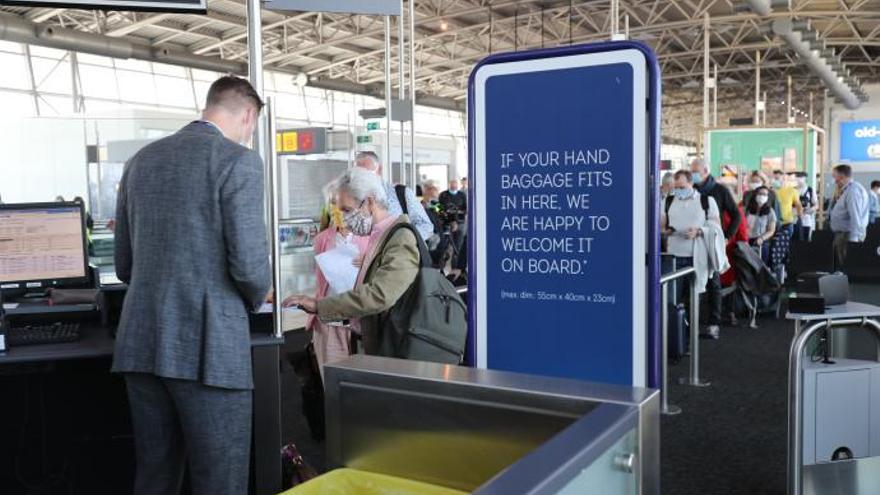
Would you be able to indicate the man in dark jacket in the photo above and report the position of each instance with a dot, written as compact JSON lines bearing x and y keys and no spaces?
{"x":707,"y":185}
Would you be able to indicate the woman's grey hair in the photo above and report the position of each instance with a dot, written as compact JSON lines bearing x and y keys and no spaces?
{"x":362,"y":185}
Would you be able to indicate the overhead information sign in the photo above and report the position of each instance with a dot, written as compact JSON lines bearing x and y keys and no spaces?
{"x":860,"y":141}
{"x":305,"y":141}
{"x":563,"y":225}
{"x":188,"y":6}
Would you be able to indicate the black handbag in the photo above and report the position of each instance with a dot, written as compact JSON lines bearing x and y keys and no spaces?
{"x":296,"y":470}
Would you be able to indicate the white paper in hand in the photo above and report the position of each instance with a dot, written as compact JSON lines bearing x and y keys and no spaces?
{"x":337,"y":267}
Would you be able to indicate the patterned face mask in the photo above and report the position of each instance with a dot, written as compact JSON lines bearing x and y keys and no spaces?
{"x":358,"y":222}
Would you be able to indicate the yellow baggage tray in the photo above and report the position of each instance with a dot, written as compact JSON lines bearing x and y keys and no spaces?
{"x":345,"y":481}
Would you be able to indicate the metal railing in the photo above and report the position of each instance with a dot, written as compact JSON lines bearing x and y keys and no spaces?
{"x":694,"y":373}
{"x":796,"y":390}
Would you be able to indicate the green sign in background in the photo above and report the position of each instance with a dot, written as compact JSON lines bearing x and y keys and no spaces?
{"x":746,"y":148}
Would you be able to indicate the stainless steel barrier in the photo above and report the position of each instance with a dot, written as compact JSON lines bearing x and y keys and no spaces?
{"x":846,"y":478}
{"x":694,"y":375}
{"x":491,"y":432}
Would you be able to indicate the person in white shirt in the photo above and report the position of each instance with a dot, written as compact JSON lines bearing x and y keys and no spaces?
{"x":683,"y":220}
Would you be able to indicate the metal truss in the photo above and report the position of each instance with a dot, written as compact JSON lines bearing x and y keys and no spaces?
{"x":452,"y":35}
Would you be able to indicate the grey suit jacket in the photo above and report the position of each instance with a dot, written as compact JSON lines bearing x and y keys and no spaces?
{"x":191,"y":244}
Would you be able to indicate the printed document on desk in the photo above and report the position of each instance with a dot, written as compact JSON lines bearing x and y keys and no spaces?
{"x":338,"y":268}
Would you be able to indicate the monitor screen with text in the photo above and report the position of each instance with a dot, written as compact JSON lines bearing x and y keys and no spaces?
{"x":42,"y":243}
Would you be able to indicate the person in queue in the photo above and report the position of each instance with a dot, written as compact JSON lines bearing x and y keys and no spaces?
{"x":430,"y":195}
{"x":874,"y":197}
{"x":191,"y":244}
{"x":807,"y":221}
{"x":762,"y":222}
{"x":789,"y":202}
{"x":59,"y":199}
{"x":849,"y":212}
{"x":453,"y":199}
{"x":724,"y":199}
{"x":369,"y":161}
{"x":464,"y":185}
{"x":388,"y":269}
{"x":683,"y":222}
{"x":667,"y":184}
{"x":758,"y":179}
{"x":730,"y":217}
{"x":331,"y":342}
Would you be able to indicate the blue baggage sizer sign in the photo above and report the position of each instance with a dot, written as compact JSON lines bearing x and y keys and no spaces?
{"x":563,"y":231}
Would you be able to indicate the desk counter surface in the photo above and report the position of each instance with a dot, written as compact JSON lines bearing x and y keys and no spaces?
{"x":849,"y":310}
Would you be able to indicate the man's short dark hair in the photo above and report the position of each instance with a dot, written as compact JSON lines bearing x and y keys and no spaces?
{"x":686,"y":174}
{"x":844,"y":170}
{"x":229,"y":91}
{"x":875,"y":184}
{"x":777,"y":171}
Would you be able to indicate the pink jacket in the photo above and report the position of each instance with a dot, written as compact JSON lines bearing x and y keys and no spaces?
{"x":325,"y":241}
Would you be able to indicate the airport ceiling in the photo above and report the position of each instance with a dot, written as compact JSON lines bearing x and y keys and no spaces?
{"x":346,"y":51}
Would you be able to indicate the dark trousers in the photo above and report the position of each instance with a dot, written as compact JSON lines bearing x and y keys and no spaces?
{"x":180,"y":423}
{"x":841,"y":243}
{"x":802,"y":233}
{"x":713,"y":291}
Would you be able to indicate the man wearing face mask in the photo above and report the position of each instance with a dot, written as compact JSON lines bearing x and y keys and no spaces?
{"x":706,"y":184}
{"x":686,"y":219}
{"x":453,"y":199}
{"x":191,"y":244}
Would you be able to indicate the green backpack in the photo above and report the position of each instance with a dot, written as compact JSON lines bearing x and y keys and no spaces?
{"x":429,"y":322}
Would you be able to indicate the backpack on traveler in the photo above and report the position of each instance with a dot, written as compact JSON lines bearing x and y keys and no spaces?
{"x":429,"y":322}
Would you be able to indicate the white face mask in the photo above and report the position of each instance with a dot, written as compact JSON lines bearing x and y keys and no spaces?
{"x":755,"y":185}
{"x":761,"y":199}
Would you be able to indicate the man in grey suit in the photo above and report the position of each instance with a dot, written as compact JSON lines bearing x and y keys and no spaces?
{"x":191,"y":244}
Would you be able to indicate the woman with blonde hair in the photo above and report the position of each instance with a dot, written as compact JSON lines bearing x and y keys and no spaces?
{"x":331,"y":341}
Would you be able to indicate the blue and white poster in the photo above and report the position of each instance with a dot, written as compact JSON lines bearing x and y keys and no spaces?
{"x":860,"y":141}
{"x":563,"y":218}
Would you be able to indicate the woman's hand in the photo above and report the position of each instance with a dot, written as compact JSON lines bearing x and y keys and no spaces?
{"x":759,"y":241}
{"x":306,"y":303}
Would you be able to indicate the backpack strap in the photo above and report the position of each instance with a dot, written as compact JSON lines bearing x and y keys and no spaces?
{"x":669,"y":200}
{"x":424,"y":254}
{"x":400,"y":190}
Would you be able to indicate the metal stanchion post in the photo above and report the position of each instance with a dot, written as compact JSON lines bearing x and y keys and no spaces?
{"x":664,"y":390}
{"x":694,"y":378}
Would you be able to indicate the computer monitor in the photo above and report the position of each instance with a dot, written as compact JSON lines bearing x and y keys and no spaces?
{"x":42,"y":245}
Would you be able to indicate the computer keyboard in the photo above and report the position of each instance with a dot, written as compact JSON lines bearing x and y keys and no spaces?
{"x":42,"y":334}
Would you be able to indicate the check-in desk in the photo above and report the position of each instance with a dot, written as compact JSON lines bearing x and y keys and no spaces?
{"x":489,"y":432}
{"x":97,"y":343}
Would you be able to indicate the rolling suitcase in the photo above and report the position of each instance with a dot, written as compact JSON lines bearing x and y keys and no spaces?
{"x":677,"y":336}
